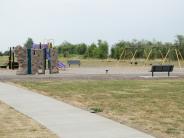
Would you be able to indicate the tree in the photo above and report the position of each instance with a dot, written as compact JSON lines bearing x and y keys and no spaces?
{"x":117,"y":49}
{"x":69,"y":48}
{"x":180,"y":40}
{"x":29,"y":43}
{"x":1,"y":54}
{"x":6,"y":53}
{"x":113,"y":52}
{"x":180,"y":43}
{"x":59,"y":50}
{"x":81,"y":49}
{"x":92,"y":51}
{"x":102,"y":49}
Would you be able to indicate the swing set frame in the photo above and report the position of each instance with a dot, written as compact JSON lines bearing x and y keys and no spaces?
{"x":147,"y":54}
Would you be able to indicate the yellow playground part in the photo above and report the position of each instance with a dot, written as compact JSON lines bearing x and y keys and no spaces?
{"x":132,"y":51}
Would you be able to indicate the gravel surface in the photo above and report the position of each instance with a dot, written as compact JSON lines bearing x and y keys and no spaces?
{"x":95,"y":74}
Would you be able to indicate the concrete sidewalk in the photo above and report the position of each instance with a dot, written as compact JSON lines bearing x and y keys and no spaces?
{"x":63,"y":119}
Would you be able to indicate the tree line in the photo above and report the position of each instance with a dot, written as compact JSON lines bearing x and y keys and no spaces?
{"x":121,"y":49}
{"x":99,"y":50}
{"x":156,"y":49}
{"x":6,"y":53}
{"x":125,"y":49}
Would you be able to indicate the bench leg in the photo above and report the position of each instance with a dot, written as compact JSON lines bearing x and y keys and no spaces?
{"x":152,"y":74}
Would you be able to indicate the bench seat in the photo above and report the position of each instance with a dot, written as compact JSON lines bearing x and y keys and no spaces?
{"x":162,"y":68}
{"x":74,"y":62}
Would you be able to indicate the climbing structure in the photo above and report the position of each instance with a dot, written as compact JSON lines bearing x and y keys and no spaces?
{"x":34,"y":60}
{"x":21,"y":55}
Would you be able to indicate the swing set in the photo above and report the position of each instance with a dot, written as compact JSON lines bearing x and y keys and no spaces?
{"x":132,"y":52}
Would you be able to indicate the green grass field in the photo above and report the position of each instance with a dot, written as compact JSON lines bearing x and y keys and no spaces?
{"x":3,"y":59}
{"x":118,"y":63}
{"x":153,"y":106}
{"x":106,"y":62}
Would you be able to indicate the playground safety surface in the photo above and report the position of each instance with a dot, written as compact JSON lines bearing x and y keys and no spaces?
{"x":98,"y":73}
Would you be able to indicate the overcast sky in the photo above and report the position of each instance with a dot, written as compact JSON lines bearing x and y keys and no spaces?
{"x":89,"y":20}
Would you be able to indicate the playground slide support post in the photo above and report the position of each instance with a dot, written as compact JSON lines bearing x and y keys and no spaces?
{"x":10,"y":57}
{"x":13,"y":56}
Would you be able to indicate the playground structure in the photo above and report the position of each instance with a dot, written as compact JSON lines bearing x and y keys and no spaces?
{"x":11,"y":61}
{"x":11,"y":64}
{"x":37,"y":59}
{"x":132,"y":52}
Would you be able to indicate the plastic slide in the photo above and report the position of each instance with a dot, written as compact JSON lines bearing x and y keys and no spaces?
{"x":61,"y":65}
{"x":48,"y":54}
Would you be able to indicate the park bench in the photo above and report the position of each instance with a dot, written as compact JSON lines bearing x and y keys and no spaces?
{"x":162,"y":68}
{"x":4,"y":66}
{"x":74,"y":62}
{"x":15,"y":65}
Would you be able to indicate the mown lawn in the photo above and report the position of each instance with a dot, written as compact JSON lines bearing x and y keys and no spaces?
{"x":103,"y":63}
{"x":3,"y":59}
{"x":153,"y":106}
{"x":115,"y":63}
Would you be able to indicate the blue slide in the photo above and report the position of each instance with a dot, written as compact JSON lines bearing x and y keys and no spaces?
{"x":61,"y":65}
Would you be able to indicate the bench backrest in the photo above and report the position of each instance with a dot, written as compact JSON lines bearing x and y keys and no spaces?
{"x":70,"y":62}
{"x":162,"y":68}
{"x":15,"y":65}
